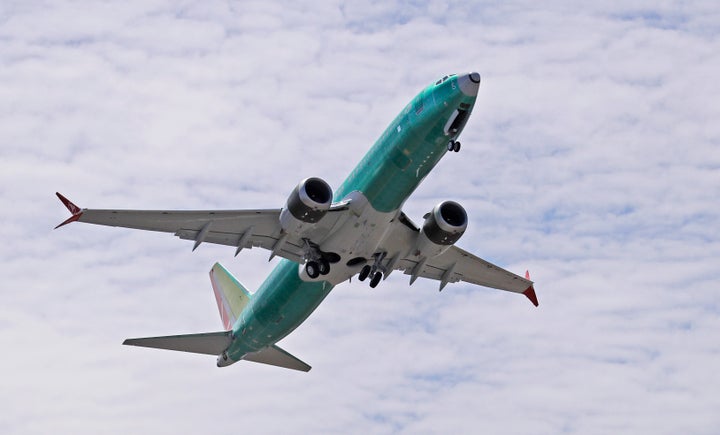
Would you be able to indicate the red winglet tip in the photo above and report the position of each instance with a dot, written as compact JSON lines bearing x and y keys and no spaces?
{"x":72,"y":218}
{"x":530,"y":294}
{"x":527,"y":274}
{"x":74,"y":209}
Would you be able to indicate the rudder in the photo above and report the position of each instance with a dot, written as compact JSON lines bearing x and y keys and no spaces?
{"x":231,"y":296}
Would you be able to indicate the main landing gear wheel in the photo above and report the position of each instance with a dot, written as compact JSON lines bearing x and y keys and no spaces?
{"x":312,"y":268}
{"x":323,"y":267}
{"x":375,"y":279}
{"x":364,"y":272}
{"x":456,"y":146}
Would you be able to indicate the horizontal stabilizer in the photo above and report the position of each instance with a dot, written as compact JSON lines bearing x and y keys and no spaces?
{"x":209,"y":343}
{"x":275,"y":356}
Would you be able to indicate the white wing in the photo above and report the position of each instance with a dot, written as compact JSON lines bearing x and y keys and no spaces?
{"x":453,"y":265}
{"x":238,"y":228}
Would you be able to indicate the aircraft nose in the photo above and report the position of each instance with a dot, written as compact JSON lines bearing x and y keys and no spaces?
{"x":469,"y":83}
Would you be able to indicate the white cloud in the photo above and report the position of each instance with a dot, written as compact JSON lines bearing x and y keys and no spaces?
{"x":591,"y":158}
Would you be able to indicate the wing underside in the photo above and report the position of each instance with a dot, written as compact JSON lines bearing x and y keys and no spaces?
{"x":237,"y":228}
{"x":261,"y":228}
{"x":453,"y":265}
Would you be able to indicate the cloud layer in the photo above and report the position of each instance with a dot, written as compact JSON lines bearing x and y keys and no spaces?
{"x":592,"y":158}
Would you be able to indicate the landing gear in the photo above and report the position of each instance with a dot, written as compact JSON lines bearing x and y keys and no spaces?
{"x":323,"y":266}
{"x":317,"y":262}
{"x":364,"y":272}
{"x":375,"y":279}
{"x":317,"y":268}
{"x":312,"y":268}
{"x":453,"y":145}
{"x":375,"y":271}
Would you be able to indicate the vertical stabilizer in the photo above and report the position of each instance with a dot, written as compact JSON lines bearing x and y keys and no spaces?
{"x":230,"y":295}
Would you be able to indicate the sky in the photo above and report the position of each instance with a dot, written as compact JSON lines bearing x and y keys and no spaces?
{"x":592,"y":158}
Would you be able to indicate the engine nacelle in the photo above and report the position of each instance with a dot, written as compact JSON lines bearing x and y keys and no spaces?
{"x":443,"y":226}
{"x":306,"y":205}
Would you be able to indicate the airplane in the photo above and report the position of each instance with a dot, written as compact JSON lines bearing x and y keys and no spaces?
{"x":326,"y":238}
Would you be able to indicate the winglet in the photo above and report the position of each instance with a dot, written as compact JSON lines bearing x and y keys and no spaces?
{"x":530,"y":292}
{"x":74,"y":209}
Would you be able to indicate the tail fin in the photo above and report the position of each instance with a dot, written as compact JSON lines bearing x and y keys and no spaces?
{"x":230,"y":295}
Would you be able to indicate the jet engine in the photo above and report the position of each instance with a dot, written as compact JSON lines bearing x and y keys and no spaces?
{"x":306,"y":205}
{"x":443,"y":226}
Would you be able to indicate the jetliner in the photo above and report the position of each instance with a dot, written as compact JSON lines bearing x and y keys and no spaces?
{"x":326,"y":238}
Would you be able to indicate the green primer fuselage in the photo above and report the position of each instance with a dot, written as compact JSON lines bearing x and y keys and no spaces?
{"x":386,"y":176}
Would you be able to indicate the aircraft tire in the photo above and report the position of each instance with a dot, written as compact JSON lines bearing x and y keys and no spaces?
{"x":312,"y":269}
{"x":375,"y":279}
{"x":323,"y":267}
{"x":364,"y":272}
{"x":456,"y":146}
{"x":451,"y":145}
